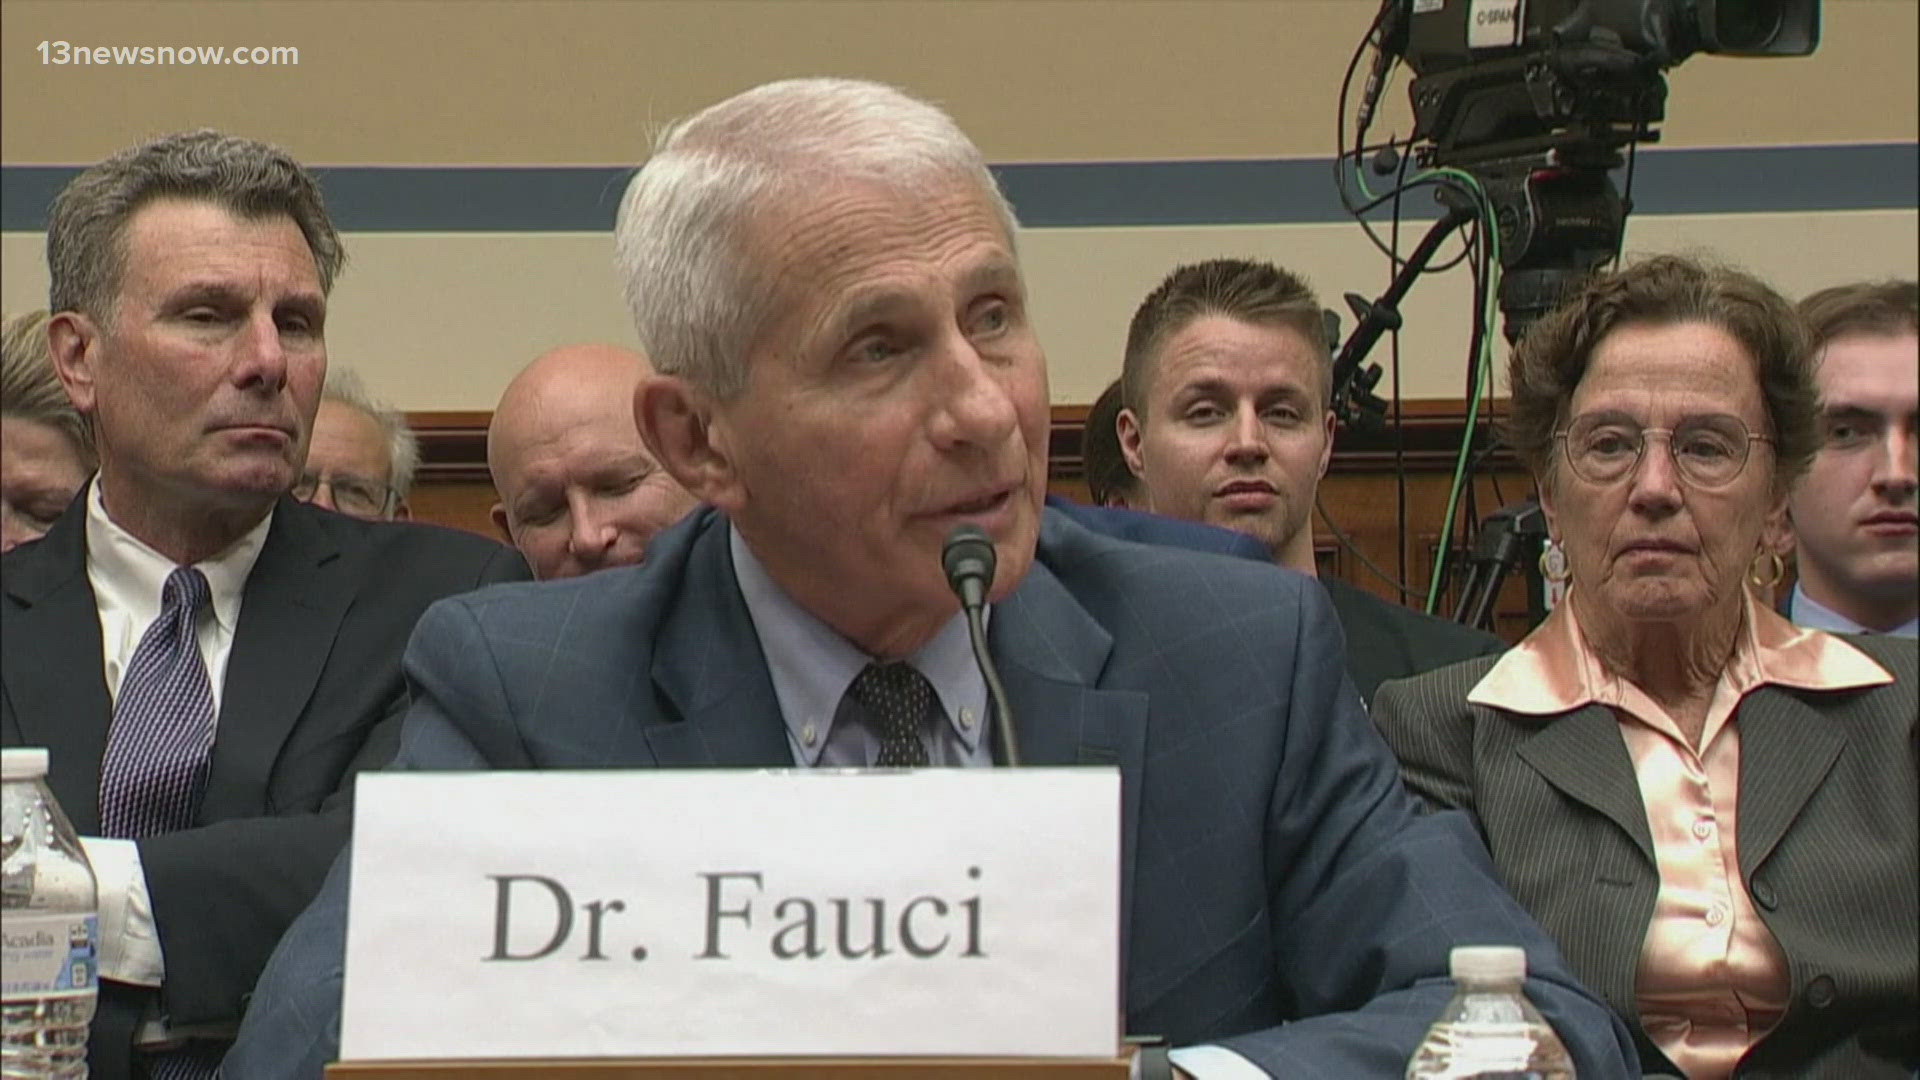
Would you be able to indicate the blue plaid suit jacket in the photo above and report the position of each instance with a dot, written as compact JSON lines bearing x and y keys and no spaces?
{"x":1282,"y":894}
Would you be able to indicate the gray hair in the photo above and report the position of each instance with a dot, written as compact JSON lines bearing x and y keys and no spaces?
{"x":86,"y":233}
{"x":403,"y":446}
{"x":697,"y":294}
{"x":29,"y":387}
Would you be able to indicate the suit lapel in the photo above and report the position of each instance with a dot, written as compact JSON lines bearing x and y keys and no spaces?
{"x":707,"y":662}
{"x":1050,"y":654}
{"x":1583,"y":755}
{"x":295,"y":597}
{"x":1786,"y":751}
{"x":55,"y":673}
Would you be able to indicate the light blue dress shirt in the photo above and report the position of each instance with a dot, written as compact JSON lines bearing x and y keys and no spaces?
{"x":1804,"y":610}
{"x":812,"y":666}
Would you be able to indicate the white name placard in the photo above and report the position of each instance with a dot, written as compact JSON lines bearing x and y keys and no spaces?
{"x":666,"y":913}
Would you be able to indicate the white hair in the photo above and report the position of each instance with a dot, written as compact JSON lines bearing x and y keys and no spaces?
{"x":697,"y":294}
{"x":403,"y":446}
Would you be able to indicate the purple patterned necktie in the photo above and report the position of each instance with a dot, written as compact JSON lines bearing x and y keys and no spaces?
{"x":895,"y":698}
{"x":155,"y":769}
{"x":157,"y":749}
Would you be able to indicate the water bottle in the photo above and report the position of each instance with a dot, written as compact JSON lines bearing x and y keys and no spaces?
{"x":1490,"y":1031}
{"x":49,"y":927}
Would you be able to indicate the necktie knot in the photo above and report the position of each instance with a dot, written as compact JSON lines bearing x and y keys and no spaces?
{"x":895,"y":698}
{"x":186,"y":590}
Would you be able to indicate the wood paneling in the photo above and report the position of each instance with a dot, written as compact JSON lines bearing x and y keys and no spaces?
{"x":1361,"y":494}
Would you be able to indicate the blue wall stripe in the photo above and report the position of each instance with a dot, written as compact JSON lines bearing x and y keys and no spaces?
{"x":1121,"y":193}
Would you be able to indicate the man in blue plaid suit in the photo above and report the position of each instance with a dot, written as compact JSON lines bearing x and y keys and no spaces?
{"x":824,"y":274}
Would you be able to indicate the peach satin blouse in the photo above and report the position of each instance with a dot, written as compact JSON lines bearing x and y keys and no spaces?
{"x":1712,"y":980}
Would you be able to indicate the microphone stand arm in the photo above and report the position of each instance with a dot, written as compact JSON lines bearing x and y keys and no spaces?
{"x":1353,"y":394}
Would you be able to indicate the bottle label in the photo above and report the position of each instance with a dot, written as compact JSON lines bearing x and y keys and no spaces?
{"x":47,"y":955}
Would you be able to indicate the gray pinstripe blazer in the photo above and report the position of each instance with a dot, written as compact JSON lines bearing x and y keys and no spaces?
{"x":1281,"y":893}
{"x":1827,"y":845}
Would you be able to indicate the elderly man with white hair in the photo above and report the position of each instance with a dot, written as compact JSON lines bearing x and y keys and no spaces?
{"x":824,"y":274}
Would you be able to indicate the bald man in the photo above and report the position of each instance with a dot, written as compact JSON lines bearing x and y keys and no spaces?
{"x":578,"y":490}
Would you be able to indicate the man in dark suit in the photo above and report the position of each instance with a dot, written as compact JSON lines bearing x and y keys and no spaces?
{"x":1225,"y":420}
{"x":208,"y":660}
{"x":876,"y":383}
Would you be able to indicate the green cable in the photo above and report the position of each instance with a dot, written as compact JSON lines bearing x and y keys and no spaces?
{"x":1490,"y":234}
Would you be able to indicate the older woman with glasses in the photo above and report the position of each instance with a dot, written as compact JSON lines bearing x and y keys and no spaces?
{"x":1713,"y":811}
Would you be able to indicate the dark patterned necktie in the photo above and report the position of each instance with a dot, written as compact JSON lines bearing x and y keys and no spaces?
{"x":155,"y":767}
{"x":895,"y":698}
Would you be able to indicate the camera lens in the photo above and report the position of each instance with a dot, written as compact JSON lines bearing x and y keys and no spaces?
{"x":1745,"y":25}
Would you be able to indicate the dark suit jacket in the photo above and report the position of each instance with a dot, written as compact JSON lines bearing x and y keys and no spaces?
{"x":1386,"y":640}
{"x":1275,"y":868}
{"x":1143,"y":528}
{"x":1827,"y":845}
{"x":313,"y":694}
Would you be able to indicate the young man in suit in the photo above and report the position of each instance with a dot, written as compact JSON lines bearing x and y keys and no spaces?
{"x":864,"y":378}
{"x":1225,"y":420}
{"x":208,"y":660}
{"x":1855,"y":514}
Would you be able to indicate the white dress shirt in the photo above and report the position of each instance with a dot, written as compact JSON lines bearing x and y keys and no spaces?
{"x":127,"y":576}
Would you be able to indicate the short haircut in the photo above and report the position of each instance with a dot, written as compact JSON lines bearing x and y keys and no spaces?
{"x":1879,"y":308}
{"x":403,"y":446}
{"x":1106,"y":466}
{"x":31,"y":390}
{"x":1552,"y":358}
{"x":86,"y":232}
{"x":698,"y":295}
{"x":1252,"y":292}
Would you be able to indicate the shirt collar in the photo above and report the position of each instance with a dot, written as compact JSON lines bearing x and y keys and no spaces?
{"x":1555,"y":670}
{"x":1807,"y":611}
{"x":134,"y":567}
{"x":812,"y":666}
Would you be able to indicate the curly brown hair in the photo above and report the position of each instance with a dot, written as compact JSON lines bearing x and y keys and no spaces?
{"x":1552,"y":358}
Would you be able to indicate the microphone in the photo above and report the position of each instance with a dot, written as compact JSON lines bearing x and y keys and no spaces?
{"x":968,"y":559}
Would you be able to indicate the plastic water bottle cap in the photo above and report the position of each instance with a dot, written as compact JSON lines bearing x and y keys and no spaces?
{"x":1487,"y":963}
{"x":23,"y":763}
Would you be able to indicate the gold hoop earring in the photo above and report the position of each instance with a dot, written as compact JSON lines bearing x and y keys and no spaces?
{"x":1776,"y":567}
{"x":1553,"y":563}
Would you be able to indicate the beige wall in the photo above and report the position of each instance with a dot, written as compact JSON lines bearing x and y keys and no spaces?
{"x":440,"y":321}
{"x":579,"y":81}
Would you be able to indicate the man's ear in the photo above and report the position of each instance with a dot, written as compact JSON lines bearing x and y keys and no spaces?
{"x":499,"y":516}
{"x":676,"y":421}
{"x":402,"y":512}
{"x":1127,"y":426}
{"x":74,"y":343}
{"x":1326,"y":449}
